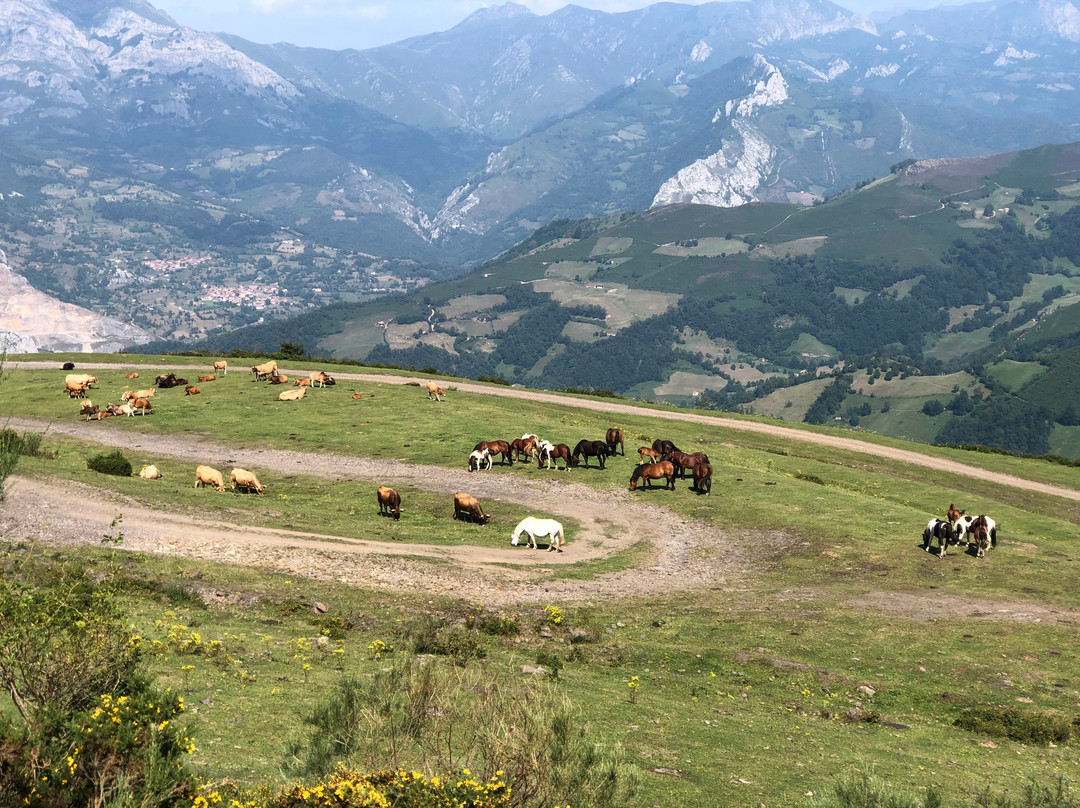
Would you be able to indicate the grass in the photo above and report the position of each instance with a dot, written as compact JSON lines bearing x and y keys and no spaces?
{"x":840,"y":598}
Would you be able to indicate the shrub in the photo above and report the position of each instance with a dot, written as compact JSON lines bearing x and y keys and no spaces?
{"x":500,"y":625}
{"x":1025,"y":726}
{"x":432,"y":636}
{"x":113,"y":463}
{"x":549,"y":661}
{"x":933,"y":407}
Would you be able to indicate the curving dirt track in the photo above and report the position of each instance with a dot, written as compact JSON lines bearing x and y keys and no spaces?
{"x":684,"y":553}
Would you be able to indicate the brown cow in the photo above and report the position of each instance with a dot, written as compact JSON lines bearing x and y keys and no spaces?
{"x":278,"y":378}
{"x":75,"y":389}
{"x":356,"y":396}
{"x":191,"y":390}
{"x":89,"y":409}
{"x":435,"y":392}
{"x":132,"y":376}
{"x":264,"y":371}
{"x":389,"y":502}
{"x":242,"y":478}
{"x":468,"y":507}
{"x":208,"y":475}
{"x":141,"y":404}
{"x":302,"y":382}
{"x":206,"y":378}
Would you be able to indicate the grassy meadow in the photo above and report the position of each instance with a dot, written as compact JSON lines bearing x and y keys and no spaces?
{"x":845,"y":647}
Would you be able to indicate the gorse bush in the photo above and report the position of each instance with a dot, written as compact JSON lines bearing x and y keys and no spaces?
{"x":113,"y":463}
{"x":1025,"y":726}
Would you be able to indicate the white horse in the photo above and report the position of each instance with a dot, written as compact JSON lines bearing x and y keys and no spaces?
{"x":533,"y":527}
{"x":478,"y":458}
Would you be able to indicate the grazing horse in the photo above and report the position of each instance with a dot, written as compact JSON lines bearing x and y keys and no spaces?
{"x":652,"y":454}
{"x":684,"y":461}
{"x":980,"y":530}
{"x":478,"y":458}
{"x":495,"y":447}
{"x":523,"y":446}
{"x":590,"y":448}
{"x":654,"y":471}
{"x":664,"y":446}
{"x":702,"y":478}
{"x":614,"y":438}
{"x":551,"y":452}
{"x":533,"y":528}
{"x":942,"y":531}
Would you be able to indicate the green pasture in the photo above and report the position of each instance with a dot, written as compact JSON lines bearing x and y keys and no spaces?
{"x":838,"y":607}
{"x":1013,"y":374}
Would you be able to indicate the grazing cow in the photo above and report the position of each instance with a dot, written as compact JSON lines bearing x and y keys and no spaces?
{"x":302,"y":382}
{"x":141,"y":404}
{"x":653,"y":471}
{"x":206,"y":378}
{"x":75,"y":389}
{"x":150,"y":473}
{"x":615,"y":438}
{"x":89,"y":409}
{"x":132,"y":376}
{"x":942,"y":531}
{"x":664,"y":446}
{"x":208,"y":475}
{"x":435,"y":392}
{"x":534,"y":528}
{"x":320,"y":378}
{"x":702,"y":478}
{"x":191,"y":390}
{"x":652,"y":454}
{"x":467,"y":507}
{"x":292,"y":395}
{"x":242,"y":478}
{"x":478,"y":458}
{"x":82,"y":378}
{"x":263,"y":372}
{"x":278,"y":378}
{"x":495,"y":447}
{"x":389,"y":502}
{"x":68,"y":366}
{"x":590,"y":448}
{"x":221,"y":366}
{"x":550,"y":453}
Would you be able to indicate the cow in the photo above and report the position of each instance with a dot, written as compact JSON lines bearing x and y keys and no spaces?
{"x":278,"y":378}
{"x":210,"y":378}
{"x":356,"y":396}
{"x":165,"y":380}
{"x":221,"y":366}
{"x":292,"y":395}
{"x":264,"y":371}
{"x":320,"y":378}
{"x":68,"y":366}
{"x":127,"y":395}
{"x":150,"y":473}
{"x":435,"y":392}
{"x":89,"y":409}
{"x":389,"y":502}
{"x":302,"y":382}
{"x":75,"y":389}
{"x":242,"y":478}
{"x":132,"y":376}
{"x":208,"y":475}
{"x":191,"y":390}
{"x":468,"y":507}
{"x":172,"y":381}
{"x":141,"y":404}
{"x":82,"y":378}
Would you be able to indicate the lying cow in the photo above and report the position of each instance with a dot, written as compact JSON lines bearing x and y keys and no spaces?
{"x":292,"y":395}
{"x":208,"y":475}
{"x":150,"y":473}
{"x":468,"y":507}
{"x":205,"y":378}
{"x":389,"y":502}
{"x":191,"y":390}
{"x":242,"y":478}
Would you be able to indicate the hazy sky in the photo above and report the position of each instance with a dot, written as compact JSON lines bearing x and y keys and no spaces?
{"x":361,"y":24}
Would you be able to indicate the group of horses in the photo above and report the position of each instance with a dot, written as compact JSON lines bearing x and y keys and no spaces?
{"x":530,"y":447}
{"x":667,"y":461}
{"x":978,"y":532}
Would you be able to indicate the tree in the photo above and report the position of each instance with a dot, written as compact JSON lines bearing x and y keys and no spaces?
{"x":933,"y":407}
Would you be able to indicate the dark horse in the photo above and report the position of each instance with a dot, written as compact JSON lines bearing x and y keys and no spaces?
{"x":664,"y":446}
{"x":654,"y":471}
{"x":614,"y":438}
{"x":495,"y":447}
{"x":702,"y":478}
{"x":590,"y":448}
{"x":942,"y":531}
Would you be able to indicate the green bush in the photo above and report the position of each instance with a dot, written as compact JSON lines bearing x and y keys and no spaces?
{"x":113,"y":463}
{"x":1025,"y":726}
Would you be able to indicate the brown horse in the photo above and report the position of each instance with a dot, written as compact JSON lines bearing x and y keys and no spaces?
{"x":495,"y":447}
{"x":684,"y":461}
{"x":654,"y":471}
{"x":614,"y":438}
{"x":523,"y":446}
{"x":702,"y":478}
{"x":664,"y":446}
{"x":551,"y":453}
{"x":645,"y":451}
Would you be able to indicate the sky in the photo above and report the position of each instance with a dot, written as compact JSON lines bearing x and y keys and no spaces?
{"x":339,"y":24}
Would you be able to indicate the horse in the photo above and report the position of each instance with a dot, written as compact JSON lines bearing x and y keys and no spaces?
{"x":644,"y":452}
{"x":533,"y":527}
{"x":478,"y":458}
{"x":664,"y":446}
{"x":654,"y":471}
{"x":684,"y":461}
{"x":523,"y":446}
{"x":615,"y":438}
{"x":954,"y":515}
{"x":942,"y":531}
{"x":495,"y":447}
{"x":981,"y":531}
{"x":702,"y":478}
{"x":590,"y":448}
{"x":549,"y":453}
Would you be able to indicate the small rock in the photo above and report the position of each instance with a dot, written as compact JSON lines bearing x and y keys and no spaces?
{"x":530,"y":670}
{"x":318,"y":608}
{"x":869,"y":691}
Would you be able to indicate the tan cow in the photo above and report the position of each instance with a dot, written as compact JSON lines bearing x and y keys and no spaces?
{"x":81,"y":378}
{"x":208,"y":475}
{"x":320,"y":378}
{"x":75,"y":389}
{"x":221,"y":366}
{"x":278,"y":378}
{"x":150,"y":473}
{"x":302,"y":382}
{"x":435,"y":392}
{"x":128,"y":395}
{"x":206,"y":378}
{"x":242,"y":478}
{"x":141,"y":404}
{"x":292,"y":395}
{"x":468,"y":507}
{"x":132,"y":376}
{"x":262,"y":372}
{"x":191,"y":390}
{"x":356,"y":396}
